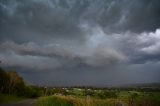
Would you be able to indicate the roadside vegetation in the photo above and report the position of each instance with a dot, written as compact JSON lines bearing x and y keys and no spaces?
{"x":124,"y":98}
{"x":4,"y":98}
{"x":13,"y":88}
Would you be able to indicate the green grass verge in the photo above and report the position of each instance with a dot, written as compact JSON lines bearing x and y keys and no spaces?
{"x":52,"y":101}
{"x":9,"y":98}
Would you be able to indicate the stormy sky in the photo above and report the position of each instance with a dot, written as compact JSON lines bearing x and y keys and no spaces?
{"x":81,"y":42}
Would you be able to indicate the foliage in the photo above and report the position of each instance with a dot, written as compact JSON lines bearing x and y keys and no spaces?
{"x":74,"y":101}
{"x":4,"y":81}
{"x":107,"y":94}
{"x":12,"y":84}
{"x":130,"y":98}
{"x":9,"y":98}
{"x":53,"y":101}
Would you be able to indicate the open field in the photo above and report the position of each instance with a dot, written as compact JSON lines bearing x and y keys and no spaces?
{"x":81,"y":97}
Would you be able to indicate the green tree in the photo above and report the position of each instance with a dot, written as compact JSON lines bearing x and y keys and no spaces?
{"x":14,"y":81}
{"x":4,"y":81}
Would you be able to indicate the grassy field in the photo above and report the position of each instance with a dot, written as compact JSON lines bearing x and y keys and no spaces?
{"x":9,"y":98}
{"x":75,"y":101}
{"x":53,"y":101}
{"x":99,"y":98}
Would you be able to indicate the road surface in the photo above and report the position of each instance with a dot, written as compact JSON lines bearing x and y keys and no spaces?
{"x":29,"y":102}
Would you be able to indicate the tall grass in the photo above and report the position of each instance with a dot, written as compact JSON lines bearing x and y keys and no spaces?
{"x":75,"y":101}
{"x":53,"y":101}
{"x":152,"y":99}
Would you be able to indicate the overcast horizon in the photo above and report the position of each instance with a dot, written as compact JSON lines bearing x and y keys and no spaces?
{"x":81,"y":42}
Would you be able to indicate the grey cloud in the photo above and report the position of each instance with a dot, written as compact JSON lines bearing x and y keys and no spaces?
{"x":153,"y":38}
{"x":94,"y":57}
{"x":41,"y":20}
{"x":35,"y":50}
{"x":141,"y":47}
{"x":99,"y":50}
{"x":105,"y":56}
{"x":29,"y":62}
{"x":37,"y":20}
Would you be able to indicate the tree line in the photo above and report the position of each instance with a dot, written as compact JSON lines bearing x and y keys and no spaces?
{"x":13,"y":84}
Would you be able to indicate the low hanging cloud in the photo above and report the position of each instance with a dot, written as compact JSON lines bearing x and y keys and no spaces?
{"x":93,"y":53}
{"x":29,"y":62}
{"x":144,"y":47}
{"x":98,"y":50}
{"x":153,"y":41}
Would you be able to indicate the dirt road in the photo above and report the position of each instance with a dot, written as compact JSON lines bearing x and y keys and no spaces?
{"x":29,"y":102}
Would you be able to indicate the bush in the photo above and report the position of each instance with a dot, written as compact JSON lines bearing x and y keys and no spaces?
{"x":107,"y":94}
{"x":53,"y":101}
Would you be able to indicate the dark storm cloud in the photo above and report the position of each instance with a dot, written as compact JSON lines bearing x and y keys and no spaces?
{"x":92,"y":77}
{"x":98,"y":56}
{"x":81,"y":38}
{"x":141,"y":47}
{"x":36,"y":19}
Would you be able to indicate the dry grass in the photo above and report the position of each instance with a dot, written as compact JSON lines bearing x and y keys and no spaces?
{"x":60,"y":100}
{"x":88,"y":101}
